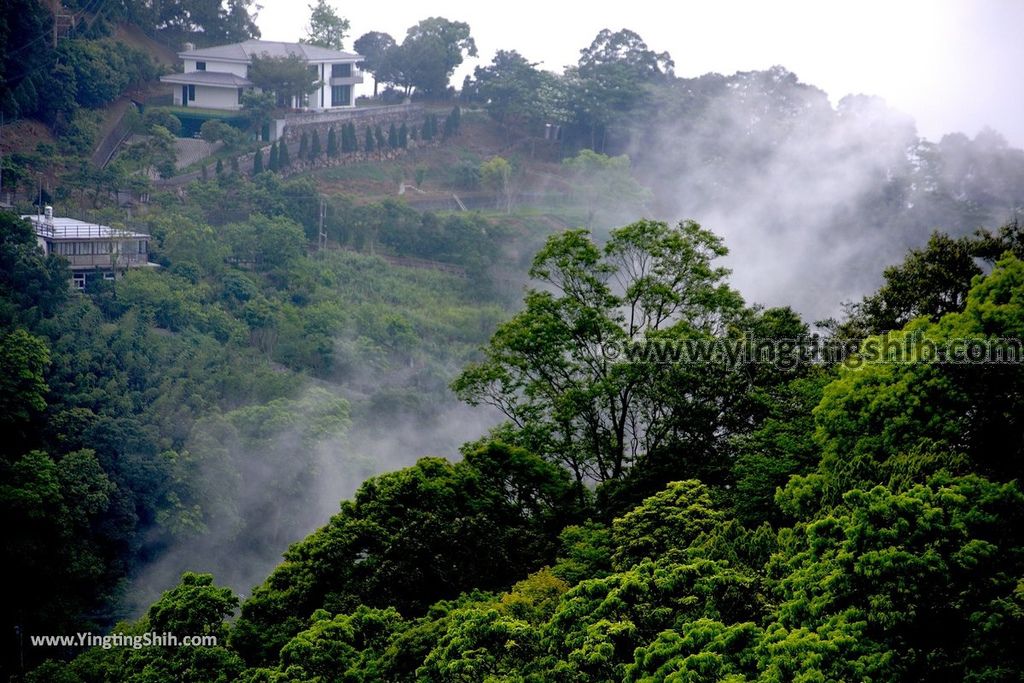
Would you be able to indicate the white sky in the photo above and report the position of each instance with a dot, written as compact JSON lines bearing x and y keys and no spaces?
{"x":954,"y":65}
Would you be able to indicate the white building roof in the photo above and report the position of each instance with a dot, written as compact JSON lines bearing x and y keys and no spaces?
{"x":61,"y":228}
{"x":244,"y":52}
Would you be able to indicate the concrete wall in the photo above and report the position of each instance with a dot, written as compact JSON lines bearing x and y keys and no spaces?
{"x":323,"y":120}
{"x":214,"y":98}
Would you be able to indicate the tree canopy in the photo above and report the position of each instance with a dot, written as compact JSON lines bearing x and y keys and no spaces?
{"x":326,"y":28}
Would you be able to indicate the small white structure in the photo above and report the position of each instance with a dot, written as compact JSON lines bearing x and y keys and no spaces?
{"x":217,"y":77}
{"x":91,"y":250}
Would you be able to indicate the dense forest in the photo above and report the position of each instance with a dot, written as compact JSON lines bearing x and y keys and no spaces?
{"x":525,"y":443}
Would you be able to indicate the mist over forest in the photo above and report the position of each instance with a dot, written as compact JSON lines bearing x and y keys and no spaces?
{"x":401,"y":391}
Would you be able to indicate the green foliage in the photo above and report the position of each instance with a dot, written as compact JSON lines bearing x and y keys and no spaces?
{"x":157,"y":116}
{"x":265,"y":243}
{"x":599,"y":623}
{"x":428,"y":56}
{"x":289,"y":78}
{"x":782,"y":446}
{"x":586,"y":552}
{"x":507,"y":86}
{"x":890,"y":420}
{"x":273,"y":162}
{"x":326,"y":28}
{"x":258,"y":107}
{"x":701,"y":650}
{"x":672,"y":519}
{"x":51,"y":508}
{"x":375,"y":47}
{"x":31,"y":285}
{"x":104,"y":68}
{"x":546,"y":369}
{"x":345,"y":648}
{"x":217,"y":131}
{"x":195,"y":606}
{"x":332,"y":143}
{"x":315,"y":150}
{"x":930,"y":573}
{"x":501,"y":508}
{"x":601,"y":182}
{"x":283,"y":160}
{"x":496,"y":174}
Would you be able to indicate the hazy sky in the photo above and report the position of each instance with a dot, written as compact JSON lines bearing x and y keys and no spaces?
{"x":951,"y":64}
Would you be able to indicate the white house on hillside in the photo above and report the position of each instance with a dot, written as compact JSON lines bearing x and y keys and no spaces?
{"x":216,"y":77}
{"x":92,"y":251}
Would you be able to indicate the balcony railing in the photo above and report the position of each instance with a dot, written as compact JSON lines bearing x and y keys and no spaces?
{"x":82,"y":231}
{"x":78,"y":261}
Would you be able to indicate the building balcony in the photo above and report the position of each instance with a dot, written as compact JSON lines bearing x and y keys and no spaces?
{"x":354,"y":79}
{"x":109,"y":261}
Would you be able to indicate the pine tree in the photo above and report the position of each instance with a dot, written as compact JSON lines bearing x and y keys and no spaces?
{"x":303,"y":146}
{"x":202,"y":172}
{"x":272,"y":162}
{"x":220,"y":167}
{"x":283,"y":161}
{"x":403,"y":136}
{"x":379,"y":138}
{"x":456,"y":117}
{"x":332,"y":143}
{"x":314,"y":147}
{"x":393,"y":137}
{"x":369,"y":140}
{"x":257,"y":163}
{"x":353,"y":138}
{"x":234,"y":164}
{"x":452,"y":122}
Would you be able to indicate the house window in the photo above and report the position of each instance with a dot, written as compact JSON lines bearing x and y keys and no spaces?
{"x":191,"y":93}
{"x":341,"y":95}
{"x":341,"y":70}
{"x":240,"y":91}
{"x":78,"y":279}
{"x":200,"y":66}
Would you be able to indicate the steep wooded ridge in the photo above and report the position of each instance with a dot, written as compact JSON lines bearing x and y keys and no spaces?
{"x":590,"y":479}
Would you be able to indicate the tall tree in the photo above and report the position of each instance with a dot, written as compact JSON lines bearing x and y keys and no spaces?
{"x":314,"y":146}
{"x":289,"y":78}
{"x":601,"y":181}
{"x":610,"y":79}
{"x":375,"y":46}
{"x":431,"y":52}
{"x":326,"y":28}
{"x":550,"y":370}
{"x":508,"y":88}
{"x":626,"y":49}
{"x":332,"y":143}
{"x":258,"y":108}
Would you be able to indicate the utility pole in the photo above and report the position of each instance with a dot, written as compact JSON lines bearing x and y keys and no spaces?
{"x":322,"y":240}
